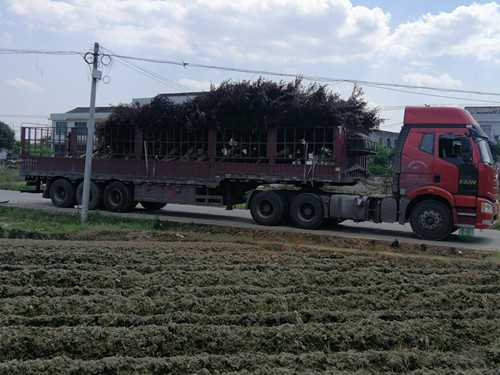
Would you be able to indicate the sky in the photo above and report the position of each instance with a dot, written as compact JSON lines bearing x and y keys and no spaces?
{"x":446,"y":43}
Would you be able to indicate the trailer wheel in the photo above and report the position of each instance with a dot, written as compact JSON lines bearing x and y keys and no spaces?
{"x":307,"y":211}
{"x":117,"y":197}
{"x":62,"y":193}
{"x":153,"y":206}
{"x":95,"y":198}
{"x":268,"y":208}
{"x":431,"y":220}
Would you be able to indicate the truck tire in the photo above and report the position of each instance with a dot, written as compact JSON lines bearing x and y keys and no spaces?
{"x":95,"y":198}
{"x":268,"y":208}
{"x":118,"y":197}
{"x":62,"y":193}
{"x":431,"y":220}
{"x":307,"y":211}
{"x":153,"y":206}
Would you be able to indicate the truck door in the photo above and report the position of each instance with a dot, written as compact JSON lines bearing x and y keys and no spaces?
{"x":454,"y":169}
{"x":417,"y":160}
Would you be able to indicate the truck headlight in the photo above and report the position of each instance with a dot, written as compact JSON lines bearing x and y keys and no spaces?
{"x":487,"y":208}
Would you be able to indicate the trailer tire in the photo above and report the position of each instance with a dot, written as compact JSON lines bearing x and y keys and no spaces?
{"x":306,"y":211}
{"x":431,"y":220}
{"x":153,"y":206}
{"x":268,"y":208}
{"x":117,"y":197}
{"x":62,"y":193}
{"x":95,"y":198}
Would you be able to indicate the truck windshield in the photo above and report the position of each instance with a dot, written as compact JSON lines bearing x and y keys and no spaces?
{"x":486,"y":155}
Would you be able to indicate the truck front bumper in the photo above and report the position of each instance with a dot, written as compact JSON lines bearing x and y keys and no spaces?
{"x":487,"y":213}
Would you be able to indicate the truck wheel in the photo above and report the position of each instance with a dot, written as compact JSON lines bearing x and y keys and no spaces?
{"x":62,"y":193}
{"x":95,"y":198}
{"x":307,"y":211}
{"x":268,"y":208}
{"x":117,"y":197}
{"x":153,"y":206}
{"x":431,"y":220}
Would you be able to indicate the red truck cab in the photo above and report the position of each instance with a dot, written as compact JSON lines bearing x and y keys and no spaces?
{"x":446,"y":177}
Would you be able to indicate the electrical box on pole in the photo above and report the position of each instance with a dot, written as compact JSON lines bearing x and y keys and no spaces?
{"x":96,"y":76}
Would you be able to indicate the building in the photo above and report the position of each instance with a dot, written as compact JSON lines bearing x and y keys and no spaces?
{"x":489,"y":119}
{"x":176,"y":98}
{"x":384,"y":137}
{"x":78,"y":117}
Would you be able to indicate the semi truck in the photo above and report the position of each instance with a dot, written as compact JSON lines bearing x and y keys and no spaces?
{"x":444,"y":175}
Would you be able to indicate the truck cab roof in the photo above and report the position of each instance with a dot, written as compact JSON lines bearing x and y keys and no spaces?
{"x":438,"y":116}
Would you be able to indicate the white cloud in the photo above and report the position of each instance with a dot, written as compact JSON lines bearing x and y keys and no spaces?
{"x":270,"y":30}
{"x":194,"y":85}
{"x":443,"y":80}
{"x":467,"y":31}
{"x":23,"y":84}
{"x":273,"y":31}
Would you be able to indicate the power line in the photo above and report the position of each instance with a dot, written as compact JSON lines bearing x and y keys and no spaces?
{"x":374,"y":84}
{"x":8,"y":115}
{"x":307,"y":77}
{"x":433,"y":95}
{"x":403,"y":106}
{"x":13,"y":51}
{"x":153,"y":75}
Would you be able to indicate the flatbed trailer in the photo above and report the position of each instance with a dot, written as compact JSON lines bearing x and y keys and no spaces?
{"x":299,"y":175}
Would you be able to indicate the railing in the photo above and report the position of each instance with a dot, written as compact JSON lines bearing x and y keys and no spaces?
{"x":52,"y":142}
{"x":41,"y":142}
{"x":293,"y":146}
{"x":360,"y":145}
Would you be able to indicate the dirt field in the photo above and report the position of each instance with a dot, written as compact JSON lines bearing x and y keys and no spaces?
{"x":249,"y":308}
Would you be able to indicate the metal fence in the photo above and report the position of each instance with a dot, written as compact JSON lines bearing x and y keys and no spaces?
{"x":293,"y":146}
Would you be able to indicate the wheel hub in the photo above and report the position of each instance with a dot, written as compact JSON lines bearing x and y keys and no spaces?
{"x":266,"y":208}
{"x":116,"y":197}
{"x":61,"y":193}
{"x":431,"y":220}
{"x":307,"y":211}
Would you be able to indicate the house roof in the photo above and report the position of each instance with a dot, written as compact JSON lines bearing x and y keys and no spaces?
{"x":192,"y":93}
{"x":87,"y":109}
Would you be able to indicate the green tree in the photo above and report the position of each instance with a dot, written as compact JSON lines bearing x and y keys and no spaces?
{"x":380,"y":163}
{"x":7,"y":139}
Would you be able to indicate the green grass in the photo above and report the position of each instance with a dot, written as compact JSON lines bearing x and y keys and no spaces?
{"x":25,"y":223}
{"x":10,"y":179}
{"x":59,"y":224}
{"x":29,"y":223}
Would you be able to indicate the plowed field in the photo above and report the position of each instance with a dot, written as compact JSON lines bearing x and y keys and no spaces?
{"x":255,"y":308}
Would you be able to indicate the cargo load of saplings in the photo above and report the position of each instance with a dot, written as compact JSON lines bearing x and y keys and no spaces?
{"x":241,"y":113}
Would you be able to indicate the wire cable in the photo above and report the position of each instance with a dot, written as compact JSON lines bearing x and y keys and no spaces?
{"x":396,"y":87}
{"x":432,"y":95}
{"x":13,"y":51}
{"x":12,"y":115}
{"x":306,"y":77}
{"x":153,"y":75}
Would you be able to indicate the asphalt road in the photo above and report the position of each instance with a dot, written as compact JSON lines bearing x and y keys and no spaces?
{"x":482,"y":240}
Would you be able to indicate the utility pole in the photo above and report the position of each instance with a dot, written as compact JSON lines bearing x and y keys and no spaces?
{"x":96,"y":75}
